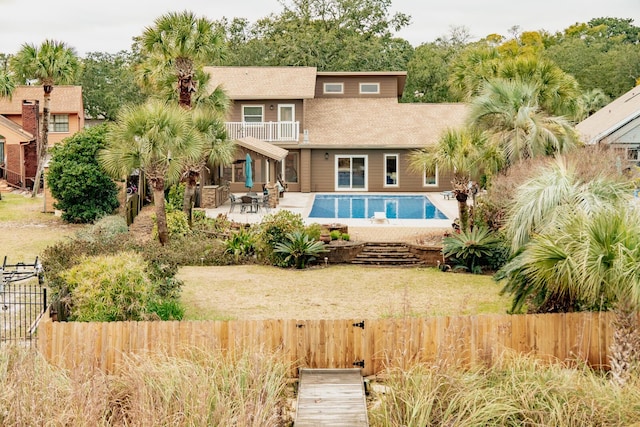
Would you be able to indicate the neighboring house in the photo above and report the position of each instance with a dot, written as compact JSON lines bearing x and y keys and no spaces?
{"x":617,"y":125}
{"x":20,"y":121}
{"x":330,"y":131}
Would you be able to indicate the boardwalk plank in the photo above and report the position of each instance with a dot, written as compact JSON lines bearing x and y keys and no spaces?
{"x":331,"y":397}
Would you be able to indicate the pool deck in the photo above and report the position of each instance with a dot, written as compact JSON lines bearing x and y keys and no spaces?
{"x":359,"y":229}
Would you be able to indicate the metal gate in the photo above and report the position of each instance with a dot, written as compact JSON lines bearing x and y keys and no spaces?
{"x":21,"y":304}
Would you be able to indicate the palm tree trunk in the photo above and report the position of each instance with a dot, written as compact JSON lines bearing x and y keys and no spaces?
{"x":188,"y":200}
{"x":625,"y":347}
{"x":44,"y":139}
{"x":161,"y":215}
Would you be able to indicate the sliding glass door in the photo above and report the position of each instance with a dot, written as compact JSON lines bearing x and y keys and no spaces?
{"x":351,"y":173}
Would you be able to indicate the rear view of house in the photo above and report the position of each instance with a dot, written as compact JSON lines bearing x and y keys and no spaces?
{"x":341,"y":131}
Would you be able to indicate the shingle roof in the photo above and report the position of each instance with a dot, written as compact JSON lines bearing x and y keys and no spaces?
{"x":15,"y":128}
{"x":264,"y":82}
{"x":611,"y":117}
{"x":377,"y":123}
{"x":64,"y":99}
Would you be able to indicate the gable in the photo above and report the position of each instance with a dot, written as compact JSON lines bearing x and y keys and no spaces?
{"x":611,"y":118}
{"x":13,"y":132}
{"x":64,"y":99}
{"x":263,"y":82}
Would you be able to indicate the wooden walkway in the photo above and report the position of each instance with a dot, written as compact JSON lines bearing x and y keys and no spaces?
{"x":331,"y":397}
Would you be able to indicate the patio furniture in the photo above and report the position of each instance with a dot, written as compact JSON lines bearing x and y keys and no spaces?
{"x":447,"y":195}
{"x":264,"y":203}
{"x":379,"y":217}
{"x":234,"y":202}
{"x":249,"y":204}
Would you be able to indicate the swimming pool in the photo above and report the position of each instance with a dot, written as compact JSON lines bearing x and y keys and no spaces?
{"x":364,"y":205}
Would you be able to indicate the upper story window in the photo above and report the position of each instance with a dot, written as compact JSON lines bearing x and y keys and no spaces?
{"x":430,"y":179}
{"x":59,"y":123}
{"x":369,"y":88}
{"x":334,"y":88}
{"x":252,"y":113}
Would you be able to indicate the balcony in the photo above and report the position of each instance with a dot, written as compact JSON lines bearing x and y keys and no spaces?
{"x":266,"y":131}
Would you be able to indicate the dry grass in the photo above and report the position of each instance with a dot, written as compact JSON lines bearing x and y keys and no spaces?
{"x":335,"y":292}
{"x":25,"y":230}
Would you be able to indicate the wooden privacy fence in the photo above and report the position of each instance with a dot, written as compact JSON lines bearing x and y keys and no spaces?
{"x":370,"y":344}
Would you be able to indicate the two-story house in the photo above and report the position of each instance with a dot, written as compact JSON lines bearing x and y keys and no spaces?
{"x":20,"y":121}
{"x":330,"y":131}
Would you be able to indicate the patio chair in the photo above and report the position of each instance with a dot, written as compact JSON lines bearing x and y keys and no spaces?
{"x":264,"y":203}
{"x":379,"y":217}
{"x":249,"y":202}
{"x":234,"y":202}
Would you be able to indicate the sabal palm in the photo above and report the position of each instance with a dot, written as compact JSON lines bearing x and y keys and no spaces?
{"x":7,"y":85}
{"x":156,"y":138}
{"x":216,"y":149}
{"x":174,"y":49}
{"x":51,"y":63}
{"x":509,"y":112}
{"x":465,"y":152}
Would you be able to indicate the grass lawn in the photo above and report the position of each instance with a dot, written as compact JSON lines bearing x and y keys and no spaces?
{"x":336,"y":292}
{"x":26,"y":231}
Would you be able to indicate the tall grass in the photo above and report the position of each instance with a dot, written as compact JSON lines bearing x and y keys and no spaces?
{"x":197,"y":389}
{"x":517,"y":391}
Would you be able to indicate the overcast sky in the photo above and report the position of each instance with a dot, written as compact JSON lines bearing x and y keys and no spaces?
{"x":109,"y":25}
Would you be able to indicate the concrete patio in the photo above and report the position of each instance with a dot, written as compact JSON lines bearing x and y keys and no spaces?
{"x":360,"y":229}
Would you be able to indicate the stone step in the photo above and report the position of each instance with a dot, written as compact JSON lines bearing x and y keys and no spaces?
{"x":387,"y":262}
{"x":389,"y":255}
{"x":386,"y":249}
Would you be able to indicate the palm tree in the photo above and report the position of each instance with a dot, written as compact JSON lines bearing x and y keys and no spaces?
{"x":577,"y":248}
{"x":50,"y":64}
{"x":7,"y":85}
{"x":465,"y":152}
{"x":509,"y":111}
{"x":173,"y":49}
{"x":156,"y":138}
{"x":217,"y":149}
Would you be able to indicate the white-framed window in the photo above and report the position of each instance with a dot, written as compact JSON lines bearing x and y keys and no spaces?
{"x":334,"y":88}
{"x":633,"y":154}
{"x":391,"y":164}
{"x":430,"y":179}
{"x":351,"y":172}
{"x":253,"y":113}
{"x":59,"y":123}
{"x":369,"y":88}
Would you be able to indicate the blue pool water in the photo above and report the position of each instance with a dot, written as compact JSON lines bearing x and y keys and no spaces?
{"x":364,"y":205}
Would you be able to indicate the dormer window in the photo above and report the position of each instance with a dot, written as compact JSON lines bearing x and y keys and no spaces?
{"x":334,"y":88}
{"x":369,"y":88}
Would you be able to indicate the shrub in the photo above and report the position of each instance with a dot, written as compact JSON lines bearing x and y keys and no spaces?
{"x":470,"y":250}
{"x":335,"y":234}
{"x":177,"y":224}
{"x":83,"y":191}
{"x":273,"y":230}
{"x":240,"y":244}
{"x":106,"y":228}
{"x":313,"y":231}
{"x":345,"y":237}
{"x":175,"y":198}
{"x":299,"y":249}
{"x":166,"y":308}
{"x":109,"y":288}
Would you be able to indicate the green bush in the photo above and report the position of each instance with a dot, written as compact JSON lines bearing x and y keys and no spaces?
{"x":83,"y":191}
{"x":106,"y":228}
{"x":471,"y":250}
{"x":335,"y":234}
{"x":109,"y":288}
{"x":241,"y":244}
{"x":166,"y":308}
{"x":345,"y":237}
{"x":313,"y":231}
{"x":177,"y":224}
{"x":273,"y":230}
{"x":299,"y":249}
{"x":175,"y":198}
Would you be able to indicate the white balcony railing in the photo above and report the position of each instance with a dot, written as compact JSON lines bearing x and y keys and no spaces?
{"x":266,"y":131}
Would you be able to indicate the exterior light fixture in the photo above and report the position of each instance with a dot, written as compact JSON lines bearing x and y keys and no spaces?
{"x":326,"y":156}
